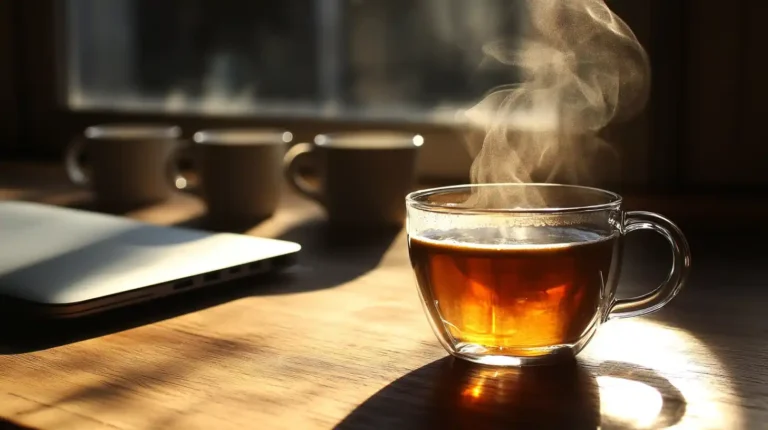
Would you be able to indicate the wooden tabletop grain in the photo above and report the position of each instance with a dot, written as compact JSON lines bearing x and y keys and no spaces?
{"x":340,"y":341}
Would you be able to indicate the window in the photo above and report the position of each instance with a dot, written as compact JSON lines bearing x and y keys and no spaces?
{"x":310,"y":66}
{"x":406,"y":60}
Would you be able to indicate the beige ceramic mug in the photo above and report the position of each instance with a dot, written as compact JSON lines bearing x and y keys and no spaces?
{"x":362,"y":177}
{"x":130,"y":164}
{"x":240,"y":171}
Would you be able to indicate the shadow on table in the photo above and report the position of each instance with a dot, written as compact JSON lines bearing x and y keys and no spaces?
{"x":451,"y":393}
{"x":91,"y":205}
{"x":331,"y":256}
{"x":20,"y":334}
{"x":10,"y":425}
{"x":74,"y":199}
{"x":204,"y":222}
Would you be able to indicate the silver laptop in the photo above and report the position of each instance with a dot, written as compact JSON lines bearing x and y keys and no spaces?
{"x":61,"y":262}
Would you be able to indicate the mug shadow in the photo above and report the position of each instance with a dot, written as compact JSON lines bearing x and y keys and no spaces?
{"x":79,"y":199}
{"x":452,"y":393}
{"x":91,"y":205}
{"x":205,"y":222}
{"x":87,"y":201}
{"x":330,"y":256}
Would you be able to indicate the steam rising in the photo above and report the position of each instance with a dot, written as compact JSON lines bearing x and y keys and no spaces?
{"x":580,"y":68}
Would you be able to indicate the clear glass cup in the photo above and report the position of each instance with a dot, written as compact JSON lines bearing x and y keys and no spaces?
{"x":517,"y":274}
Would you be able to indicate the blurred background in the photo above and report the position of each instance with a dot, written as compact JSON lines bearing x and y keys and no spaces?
{"x":313,"y":66}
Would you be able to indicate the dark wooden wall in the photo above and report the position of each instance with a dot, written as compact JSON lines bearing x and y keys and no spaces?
{"x":726,"y":118}
{"x":8,"y":91}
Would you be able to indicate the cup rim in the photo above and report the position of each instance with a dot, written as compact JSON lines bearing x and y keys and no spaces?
{"x":396,"y":139}
{"x":242,"y":136}
{"x":136,"y":131}
{"x":413,"y":200}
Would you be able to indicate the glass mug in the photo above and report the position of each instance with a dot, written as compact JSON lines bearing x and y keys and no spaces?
{"x":517,"y":274}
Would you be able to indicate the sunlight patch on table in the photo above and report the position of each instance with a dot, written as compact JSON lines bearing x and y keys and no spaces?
{"x":665,"y":365}
{"x":629,"y":403}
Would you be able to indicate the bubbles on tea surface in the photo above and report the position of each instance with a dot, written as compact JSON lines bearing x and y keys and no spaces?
{"x":519,"y":237}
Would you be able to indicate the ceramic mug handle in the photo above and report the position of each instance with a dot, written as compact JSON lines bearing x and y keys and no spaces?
{"x":72,"y":163}
{"x":175,"y":177}
{"x":292,"y":174}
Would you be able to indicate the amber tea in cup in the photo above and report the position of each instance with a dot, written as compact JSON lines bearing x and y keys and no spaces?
{"x":520,"y":273}
{"x":512,"y":296}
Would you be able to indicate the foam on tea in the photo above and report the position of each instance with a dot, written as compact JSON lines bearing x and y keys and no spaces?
{"x":528,"y":288}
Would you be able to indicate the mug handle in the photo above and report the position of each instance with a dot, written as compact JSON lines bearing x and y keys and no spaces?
{"x":75,"y":171}
{"x":291,"y":168}
{"x":681,"y":265}
{"x":177,"y":180}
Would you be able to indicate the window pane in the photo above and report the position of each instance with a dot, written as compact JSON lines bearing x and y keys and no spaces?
{"x":400,"y":59}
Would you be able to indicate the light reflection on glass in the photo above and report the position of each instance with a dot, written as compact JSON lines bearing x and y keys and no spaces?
{"x":181,"y":183}
{"x":685,"y":365}
{"x":502,"y":361}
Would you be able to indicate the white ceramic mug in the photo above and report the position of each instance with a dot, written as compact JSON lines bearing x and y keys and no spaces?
{"x":362,"y":176}
{"x":240,"y":171}
{"x":130,"y":164}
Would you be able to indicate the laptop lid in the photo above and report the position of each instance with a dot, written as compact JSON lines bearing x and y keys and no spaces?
{"x":59,"y":256}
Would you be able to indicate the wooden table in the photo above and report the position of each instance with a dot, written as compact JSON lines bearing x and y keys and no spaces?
{"x":341,"y":341}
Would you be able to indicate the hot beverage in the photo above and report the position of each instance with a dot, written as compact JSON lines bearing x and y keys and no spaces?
{"x":517,"y":274}
{"x":509,"y":295}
